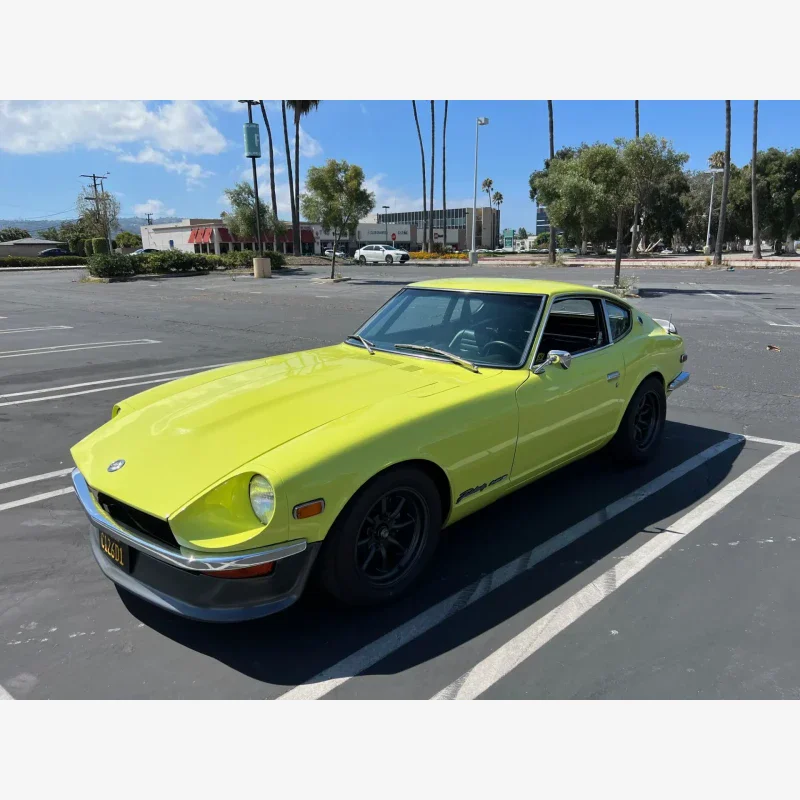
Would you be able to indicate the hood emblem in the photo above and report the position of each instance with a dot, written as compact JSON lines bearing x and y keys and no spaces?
{"x":115,"y":465}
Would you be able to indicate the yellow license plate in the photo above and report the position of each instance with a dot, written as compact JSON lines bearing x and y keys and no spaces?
{"x":117,"y":551}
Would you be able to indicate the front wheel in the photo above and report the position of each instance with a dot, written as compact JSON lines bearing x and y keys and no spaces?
{"x":389,"y":260}
{"x":642,"y":427}
{"x":362,"y":260}
{"x":383,"y":540}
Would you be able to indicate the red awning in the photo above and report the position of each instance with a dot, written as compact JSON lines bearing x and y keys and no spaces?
{"x":193,"y":235}
{"x":206,"y":236}
{"x":225,"y":235}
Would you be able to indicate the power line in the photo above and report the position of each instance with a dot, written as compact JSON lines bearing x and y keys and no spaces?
{"x":96,"y":199}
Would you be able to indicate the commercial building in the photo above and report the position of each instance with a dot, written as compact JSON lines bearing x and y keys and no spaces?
{"x":28,"y":247}
{"x":459,"y":226}
{"x":542,"y":220}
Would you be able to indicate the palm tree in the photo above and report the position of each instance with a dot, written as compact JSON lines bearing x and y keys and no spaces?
{"x":444,"y":175}
{"x":551,"y":249}
{"x":292,"y":202}
{"x":497,"y":198}
{"x":637,"y":117}
{"x":271,"y":174}
{"x":301,"y":108}
{"x":756,"y":231}
{"x":636,"y":209}
{"x":433,"y":158}
{"x":424,"y":182}
{"x":486,"y":186}
{"x":726,"y":177}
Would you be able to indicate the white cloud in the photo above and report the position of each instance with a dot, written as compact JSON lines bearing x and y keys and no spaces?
{"x":364,"y":110}
{"x":45,"y":127}
{"x":263,"y":171}
{"x":154,"y":207}
{"x":309,"y":146}
{"x":194,"y":173}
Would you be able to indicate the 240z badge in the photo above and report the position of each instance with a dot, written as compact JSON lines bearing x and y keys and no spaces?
{"x":476,"y":489}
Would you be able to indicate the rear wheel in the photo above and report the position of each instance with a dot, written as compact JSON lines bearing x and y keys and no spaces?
{"x":383,"y":540}
{"x":642,"y":427}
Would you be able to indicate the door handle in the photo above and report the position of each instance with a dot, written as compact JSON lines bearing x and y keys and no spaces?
{"x":612,"y":376}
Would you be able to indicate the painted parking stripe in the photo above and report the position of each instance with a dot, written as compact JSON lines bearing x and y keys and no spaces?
{"x":4,"y":695}
{"x":352,"y":665}
{"x":30,"y":330}
{"x":494,"y":667}
{"x":36,"y":498}
{"x":112,"y":380}
{"x":59,"y":473}
{"x":783,"y":325}
{"x":84,"y":391}
{"x":71,"y":348}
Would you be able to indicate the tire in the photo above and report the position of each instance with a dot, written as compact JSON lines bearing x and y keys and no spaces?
{"x":348,"y":571}
{"x":389,"y":260}
{"x":362,"y":260}
{"x":642,"y":427}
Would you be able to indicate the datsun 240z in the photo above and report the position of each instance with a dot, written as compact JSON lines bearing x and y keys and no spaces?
{"x":218,"y":495}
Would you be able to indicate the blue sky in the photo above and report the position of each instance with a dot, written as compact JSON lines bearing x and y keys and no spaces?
{"x":176,"y":158}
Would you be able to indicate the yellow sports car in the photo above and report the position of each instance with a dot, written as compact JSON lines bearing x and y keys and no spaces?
{"x":216,"y":496}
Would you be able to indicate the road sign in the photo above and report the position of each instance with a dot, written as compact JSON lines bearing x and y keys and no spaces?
{"x":394,"y":237}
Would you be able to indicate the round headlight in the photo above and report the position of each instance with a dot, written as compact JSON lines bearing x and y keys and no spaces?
{"x":262,"y":498}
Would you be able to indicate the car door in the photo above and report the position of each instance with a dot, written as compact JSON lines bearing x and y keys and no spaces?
{"x":371,"y":254}
{"x":565,"y":413}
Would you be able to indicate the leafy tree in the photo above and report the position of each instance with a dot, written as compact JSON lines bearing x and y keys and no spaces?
{"x":336,"y":198}
{"x":241,"y":221}
{"x":301,"y":108}
{"x":98,"y":218}
{"x":522,"y":232}
{"x":12,"y":234}
{"x":424,"y":179}
{"x":695,"y":202}
{"x":778,"y":178}
{"x":52,"y":233}
{"x":76,"y":246}
{"x":128,"y":239}
{"x":542,"y":238}
{"x":666,"y":217}
{"x":726,"y":178}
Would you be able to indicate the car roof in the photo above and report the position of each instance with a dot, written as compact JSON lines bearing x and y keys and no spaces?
{"x":509,"y":285}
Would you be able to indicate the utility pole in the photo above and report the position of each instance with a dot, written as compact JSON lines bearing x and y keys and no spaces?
{"x":149,"y":217}
{"x":253,"y":154}
{"x":96,"y":199}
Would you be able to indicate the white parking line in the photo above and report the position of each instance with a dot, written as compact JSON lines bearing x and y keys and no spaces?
{"x":783,"y":324}
{"x":4,"y":695}
{"x":30,"y":330}
{"x":71,"y":348}
{"x":59,"y":473}
{"x":489,"y":671}
{"x":362,"y":659}
{"x":35,"y":498}
{"x":112,"y":380}
{"x":84,"y":391}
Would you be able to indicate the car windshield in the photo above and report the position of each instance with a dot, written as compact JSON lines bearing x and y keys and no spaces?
{"x":489,"y":329}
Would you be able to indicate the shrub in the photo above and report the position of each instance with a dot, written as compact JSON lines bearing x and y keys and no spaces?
{"x":76,"y":245}
{"x":112,"y":265}
{"x":87,"y":247}
{"x":99,"y":246}
{"x":422,"y":255}
{"x":173,"y":261}
{"x":57,"y":261}
{"x":244,"y":258}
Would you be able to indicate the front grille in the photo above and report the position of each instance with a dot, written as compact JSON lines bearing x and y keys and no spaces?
{"x":136,"y":520}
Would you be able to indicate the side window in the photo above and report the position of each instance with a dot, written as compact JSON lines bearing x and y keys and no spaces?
{"x":575,"y":324}
{"x":620,"y":320}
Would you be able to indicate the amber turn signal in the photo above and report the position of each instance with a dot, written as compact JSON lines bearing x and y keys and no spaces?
{"x":246,"y":572}
{"x":310,"y":509}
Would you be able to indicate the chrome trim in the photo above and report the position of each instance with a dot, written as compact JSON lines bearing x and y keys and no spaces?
{"x":612,"y":376}
{"x":676,"y":383}
{"x":194,"y":560}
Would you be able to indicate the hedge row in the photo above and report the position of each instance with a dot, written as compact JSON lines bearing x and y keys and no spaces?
{"x":421,"y":255}
{"x":56,"y":261}
{"x":116,"y":265}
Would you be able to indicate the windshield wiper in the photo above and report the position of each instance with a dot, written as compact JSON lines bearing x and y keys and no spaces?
{"x":369,"y":345}
{"x":424,"y":348}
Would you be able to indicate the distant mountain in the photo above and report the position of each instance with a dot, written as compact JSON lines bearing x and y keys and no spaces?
{"x":33,"y":226}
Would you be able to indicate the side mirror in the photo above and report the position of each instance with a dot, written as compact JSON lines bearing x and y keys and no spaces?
{"x":561,"y":357}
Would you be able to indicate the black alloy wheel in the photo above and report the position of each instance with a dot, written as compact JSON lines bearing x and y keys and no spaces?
{"x":646,"y":420}
{"x":642,"y":426}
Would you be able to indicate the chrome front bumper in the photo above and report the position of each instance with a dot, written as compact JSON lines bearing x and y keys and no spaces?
{"x":681,"y":380}
{"x":183,"y":557}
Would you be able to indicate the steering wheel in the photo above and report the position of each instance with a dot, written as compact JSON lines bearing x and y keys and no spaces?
{"x":497,"y":344}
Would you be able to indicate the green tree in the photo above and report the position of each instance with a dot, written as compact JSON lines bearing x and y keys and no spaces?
{"x":128,"y":239}
{"x":301,"y":108}
{"x":12,"y":234}
{"x":726,"y":178}
{"x":241,"y":221}
{"x":52,"y":233}
{"x":336,"y":199}
{"x":522,"y":233}
{"x":779,"y":194}
{"x":98,"y":218}
{"x":542,"y":238}
{"x":424,"y":179}
{"x":271,"y":173}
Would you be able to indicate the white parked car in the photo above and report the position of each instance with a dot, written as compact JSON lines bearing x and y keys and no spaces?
{"x":380,"y":254}
{"x":339,"y":254}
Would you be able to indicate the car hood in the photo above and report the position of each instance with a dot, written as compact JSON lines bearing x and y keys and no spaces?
{"x":183,"y":437}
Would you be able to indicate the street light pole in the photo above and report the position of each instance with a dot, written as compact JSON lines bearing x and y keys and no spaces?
{"x":710,"y":208}
{"x":473,"y":256}
{"x":250,"y":104}
{"x":386,"y":221}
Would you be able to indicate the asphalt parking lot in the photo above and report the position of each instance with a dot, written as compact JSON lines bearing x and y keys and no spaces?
{"x":673,"y":581}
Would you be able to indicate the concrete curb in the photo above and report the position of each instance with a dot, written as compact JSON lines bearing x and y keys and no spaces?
{"x":38,"y":269}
